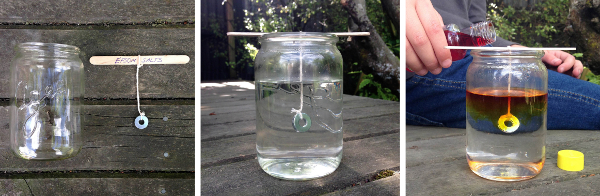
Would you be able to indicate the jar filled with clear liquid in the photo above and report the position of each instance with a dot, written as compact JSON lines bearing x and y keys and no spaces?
{"x":47,"y":85}
{"x":507,"y":93}
{"x":299,"y":105}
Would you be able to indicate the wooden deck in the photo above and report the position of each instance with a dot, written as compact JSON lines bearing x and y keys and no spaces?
{"x":436,"y":165}
{"x":116,"y":158}
{"x":228,"y":154}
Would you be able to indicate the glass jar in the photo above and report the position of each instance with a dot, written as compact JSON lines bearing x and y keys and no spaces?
{"x":507,"y":96}
{"x":299,"y":105}
{"x":47,"y":86}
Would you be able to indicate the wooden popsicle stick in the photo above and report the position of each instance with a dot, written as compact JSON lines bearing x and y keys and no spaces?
{"x":133,"y":60}
{"x":504,"y":48}
{"x":255,"y":34}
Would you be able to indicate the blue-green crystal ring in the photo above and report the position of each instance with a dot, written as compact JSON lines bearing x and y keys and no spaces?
{"x":296,"y":123}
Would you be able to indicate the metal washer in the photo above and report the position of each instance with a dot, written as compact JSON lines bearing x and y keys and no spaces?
{"x":137,"y":122}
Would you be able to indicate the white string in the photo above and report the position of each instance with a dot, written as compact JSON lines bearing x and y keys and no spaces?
{"x":509,"y":70}
{"x":299,"y":112}
{"x":137,"y":85}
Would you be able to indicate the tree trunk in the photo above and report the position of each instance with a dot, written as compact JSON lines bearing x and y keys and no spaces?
{"x":375,"y":56}
{"x":392,"y":8}
{"x":583,"y":25}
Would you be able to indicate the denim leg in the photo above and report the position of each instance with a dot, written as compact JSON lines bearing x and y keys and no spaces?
{"x":438,"y":100}
{"x":572,"y":103}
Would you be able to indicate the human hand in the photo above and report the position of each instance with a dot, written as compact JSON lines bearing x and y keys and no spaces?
{"x":425,"y":39}
{"x":563,"y":62}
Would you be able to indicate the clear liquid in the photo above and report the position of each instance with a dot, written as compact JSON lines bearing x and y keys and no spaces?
{"x":498,"y":155}
{"x":285,"y":152}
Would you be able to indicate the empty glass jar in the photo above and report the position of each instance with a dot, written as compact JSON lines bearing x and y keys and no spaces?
{"x":47,"y":86}
{"x":507,"y":97}
{"x":299,"y":105}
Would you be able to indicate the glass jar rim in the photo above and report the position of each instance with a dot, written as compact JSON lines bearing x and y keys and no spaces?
{"x":48,"y":46}
{"x":299,"y":36}
{"x":508,"y":53}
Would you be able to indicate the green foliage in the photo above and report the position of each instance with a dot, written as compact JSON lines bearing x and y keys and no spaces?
{"x":252,"y":51}
{"x":219,"y":42}
{"x":537,"y":26}
{"x":219,"y":45}
{"x":590,"y":77}
{"x":277,"y":16}
{"x":384,"y":174}
{"x":368,"y":87}
{"x":593,"y":78}
{"x":534,"y":27}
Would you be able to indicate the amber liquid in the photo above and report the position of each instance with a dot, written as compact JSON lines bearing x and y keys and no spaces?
{"x":499,"y":155}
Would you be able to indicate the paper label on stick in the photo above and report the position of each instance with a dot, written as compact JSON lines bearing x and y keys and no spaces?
{"x":133,"y":60}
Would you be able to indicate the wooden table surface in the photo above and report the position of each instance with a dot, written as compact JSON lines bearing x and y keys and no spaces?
{"x":436,"y":165}
{"x":228,"y":147}
{"x":116,"y":157}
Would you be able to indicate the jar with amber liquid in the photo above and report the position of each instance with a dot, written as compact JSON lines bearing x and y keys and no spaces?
{"x":507,"y":96}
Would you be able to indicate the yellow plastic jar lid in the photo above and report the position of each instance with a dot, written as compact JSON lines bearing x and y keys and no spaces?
{"x":570,"y":160}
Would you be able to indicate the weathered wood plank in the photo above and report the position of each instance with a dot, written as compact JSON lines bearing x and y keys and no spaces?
{"x":14,"y":187}
{"x":216,"y":88}
{"x":248,"y":104}
{"x":251,"y":105}
{"x":90,"y":11}
{"x":587,"y":185}
{"x":438,"y":166}
{"x":351,"y":113}
{"x":97,"y":186}
{"x":245,"y":145}
{"x":204,"y":106}
{"x":227,"y":97}
{"x":112,"y":142}
{"x":361,"y":160}
{"x":386,"y":186}
{"x":352,"y":127}
{"x":115,"y":81}
{"x":435,"y":150}
{"x":229,"y":146}
{"x":416,"y":133}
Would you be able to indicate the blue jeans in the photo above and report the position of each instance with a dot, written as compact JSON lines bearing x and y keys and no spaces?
{"x":439,"y":100}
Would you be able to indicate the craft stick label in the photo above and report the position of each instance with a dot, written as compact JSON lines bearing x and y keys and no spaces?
{"x":127,"y":60}
{"x":132,"y":60}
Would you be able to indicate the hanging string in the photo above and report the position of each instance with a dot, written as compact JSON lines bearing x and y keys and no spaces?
{"x":137,"y":85}
{"x":299,"y":115}
{"x":299,"y":112}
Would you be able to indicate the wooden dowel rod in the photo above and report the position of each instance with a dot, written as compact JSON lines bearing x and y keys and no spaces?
{"x":503,"y":48}
{"x":256,"y":34}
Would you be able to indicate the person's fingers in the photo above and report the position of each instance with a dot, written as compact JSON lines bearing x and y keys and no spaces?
{"x":430,"y":19}
{"x":416,"y":36}
{"x":413,"y":62}
{"x":551,"y":59}
{"x":577,"y":69}
{"x":568,"y":61}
